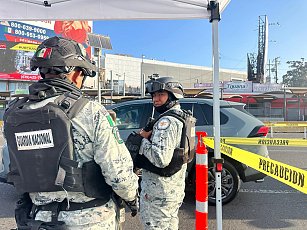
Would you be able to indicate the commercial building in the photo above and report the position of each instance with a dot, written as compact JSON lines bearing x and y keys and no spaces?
{"x":120,"y":70}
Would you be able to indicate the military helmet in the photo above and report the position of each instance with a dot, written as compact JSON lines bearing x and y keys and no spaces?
{"x":164,"y":83}
{"x":60,"y":55}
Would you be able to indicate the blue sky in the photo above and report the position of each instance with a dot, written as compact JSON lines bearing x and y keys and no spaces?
{"x":190,"y":41}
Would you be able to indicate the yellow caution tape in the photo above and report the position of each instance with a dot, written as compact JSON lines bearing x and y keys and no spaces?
{"x":286,"y":124}
{"x":292,"y":176}
{"x":25,"y":47}
{"x":264,"y":141}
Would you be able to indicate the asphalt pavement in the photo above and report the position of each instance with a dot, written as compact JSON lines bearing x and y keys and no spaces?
{"x":268,"y":205}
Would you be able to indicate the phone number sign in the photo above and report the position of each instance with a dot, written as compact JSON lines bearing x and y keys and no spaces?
{"x":15,"y":31}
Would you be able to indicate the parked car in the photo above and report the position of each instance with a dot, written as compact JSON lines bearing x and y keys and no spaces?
{"x":4,"y":163}
{"x":235,"y":122}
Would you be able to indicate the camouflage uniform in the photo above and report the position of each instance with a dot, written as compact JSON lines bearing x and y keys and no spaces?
{"x":161,"y":197}
{"x":4,"y":161}
{"x":95,"y":137}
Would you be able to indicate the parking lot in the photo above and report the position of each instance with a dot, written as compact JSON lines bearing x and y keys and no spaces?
{"x":267,"y":205}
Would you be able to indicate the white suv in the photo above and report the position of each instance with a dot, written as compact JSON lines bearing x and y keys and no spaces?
{"x":235,"y":122}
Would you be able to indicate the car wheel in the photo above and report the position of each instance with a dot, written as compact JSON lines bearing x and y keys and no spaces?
{"x":230,"y":183}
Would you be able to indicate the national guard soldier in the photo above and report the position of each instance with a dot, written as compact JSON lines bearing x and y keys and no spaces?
{"x":163,"y":154}
{"x":66,"y":155}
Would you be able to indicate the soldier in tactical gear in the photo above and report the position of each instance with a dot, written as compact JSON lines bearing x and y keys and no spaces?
{"x":67,"y":157}
{"x":162,"y":196}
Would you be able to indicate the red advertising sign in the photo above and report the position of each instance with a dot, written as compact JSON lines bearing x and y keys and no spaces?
{"x":19,"y":40}
{"x":20,"y":77}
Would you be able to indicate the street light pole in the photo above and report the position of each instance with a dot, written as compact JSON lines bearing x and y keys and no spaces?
{"x":285,"y":103}
{"x":98,"y":42}
{"x":285,"y":100}
{"x":112,"y":87}
{"x":142,"y":78}
{"x":124,"y":89}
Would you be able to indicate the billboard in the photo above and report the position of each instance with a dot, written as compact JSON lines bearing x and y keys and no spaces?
{"x":263,"y":88}
{"x":19,"y":40}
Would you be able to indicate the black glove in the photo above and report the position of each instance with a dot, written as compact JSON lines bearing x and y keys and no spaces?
{"x":133,"y":206}
{"x":133,"y":144}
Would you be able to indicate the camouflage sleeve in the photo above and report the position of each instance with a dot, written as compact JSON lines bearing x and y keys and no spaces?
{"x":165,"y":138}
{"x":1,"y":163}
{"x":112,"y":155}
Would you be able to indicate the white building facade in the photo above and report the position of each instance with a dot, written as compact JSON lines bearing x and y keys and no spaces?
{"x":129,"y":71}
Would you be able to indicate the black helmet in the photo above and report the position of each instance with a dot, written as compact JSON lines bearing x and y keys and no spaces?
{"x":164,"y":83}
{"x":60,"y":55}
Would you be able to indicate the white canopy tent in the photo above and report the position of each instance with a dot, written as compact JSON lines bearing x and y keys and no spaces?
{"x":105,"y":9}
{"x":132,"y":9}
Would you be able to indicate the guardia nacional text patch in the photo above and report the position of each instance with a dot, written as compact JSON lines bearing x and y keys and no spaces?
{"x":40,"y":139}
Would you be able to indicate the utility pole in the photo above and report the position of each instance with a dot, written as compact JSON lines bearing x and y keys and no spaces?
{"x":269,"y":78}
{"x":274,"y":69}
{"x":277,"y":62}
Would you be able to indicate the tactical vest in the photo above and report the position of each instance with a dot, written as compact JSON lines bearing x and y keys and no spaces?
{"x":41,"y":149}
{"x":183,"y":154}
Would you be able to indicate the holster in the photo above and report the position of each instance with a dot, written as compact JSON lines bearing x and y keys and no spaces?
{"x":120,"y":208}
{"x":133,"y":144}
{"x":23,"y":210}
{"x":40,"y":225}
{"x":94,"y":182}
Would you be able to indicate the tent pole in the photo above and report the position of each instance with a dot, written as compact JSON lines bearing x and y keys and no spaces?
{"x":215,"y":17}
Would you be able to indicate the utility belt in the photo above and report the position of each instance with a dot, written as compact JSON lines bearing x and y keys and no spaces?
{"x":26,"y":211}
{"x":69,"y":206}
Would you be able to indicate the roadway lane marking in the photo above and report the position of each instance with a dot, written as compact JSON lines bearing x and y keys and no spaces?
{"x":268,"y":191}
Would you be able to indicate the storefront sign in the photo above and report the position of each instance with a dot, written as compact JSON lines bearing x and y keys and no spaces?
{"x":237,"y":87}
{"x":207,"y":85}
{"x":262,"y":88}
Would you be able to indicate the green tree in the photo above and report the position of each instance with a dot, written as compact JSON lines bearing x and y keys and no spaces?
{"x":297,"y":75}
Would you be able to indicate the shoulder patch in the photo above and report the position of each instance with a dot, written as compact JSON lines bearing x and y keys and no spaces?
{"x":115,"y":132}
{"x":110,"y":120}
{"x":164,"y":123}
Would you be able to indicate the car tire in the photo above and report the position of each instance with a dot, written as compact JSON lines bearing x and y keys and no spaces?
{"x":230,"y":183}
